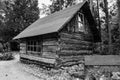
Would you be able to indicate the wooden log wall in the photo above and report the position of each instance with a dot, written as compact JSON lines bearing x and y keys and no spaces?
{"x":23,"y":48}
{"x":50,"y":48}
{"x":73,"y":47}
{"x":72,"y":44}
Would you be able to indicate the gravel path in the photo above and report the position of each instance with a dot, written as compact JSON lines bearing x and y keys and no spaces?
{"x":10,"y":70}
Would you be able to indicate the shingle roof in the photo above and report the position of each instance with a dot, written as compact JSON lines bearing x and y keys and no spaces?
{"x":51,"y":23}
{"x":103,"y":60}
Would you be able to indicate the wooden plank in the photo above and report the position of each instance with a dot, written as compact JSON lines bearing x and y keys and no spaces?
{"x":50,"y":48}
{"x":23,"y":47}
{"x":79,"y":56}
{"x":49,"y":55}
{"x":70,"y":63}
{"x":74,"y":52}
{"x":102,"y":60}
{"x":33,"y":53}
{"x":74,"y":41}
{"x":50,"y":43}
{"x":73,"y":58}
{"x":41,"y":59}
{"x":72,"y":36}
{"x":75,"y":47}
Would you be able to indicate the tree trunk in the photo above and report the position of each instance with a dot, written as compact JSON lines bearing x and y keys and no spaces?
{"x":118,"y":5}
{"x":107,"y":25}
{"x":91,"y":6}
{"x":106,"y":14}
{"x":3,"y":46}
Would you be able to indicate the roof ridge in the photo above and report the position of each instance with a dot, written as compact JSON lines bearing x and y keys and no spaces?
{"x":82,"y":3}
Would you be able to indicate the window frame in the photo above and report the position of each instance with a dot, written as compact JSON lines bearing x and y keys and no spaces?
{"x":31,"y":44}
{"x":79,"y":14}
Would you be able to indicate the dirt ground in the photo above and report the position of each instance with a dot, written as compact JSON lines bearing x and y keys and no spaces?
{"x":11,"y":70}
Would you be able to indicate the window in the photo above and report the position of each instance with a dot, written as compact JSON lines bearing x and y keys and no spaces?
{"x":34,"y":46}
{"x":77,"y":24}
{"x":80,"y":22}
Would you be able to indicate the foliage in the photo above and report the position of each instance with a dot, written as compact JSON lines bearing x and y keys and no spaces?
{"x":113,"y":25}
{"x":107,"y":20}
{"x":6,"y":56}
{"x":20,"y":15}
{"x":58,"y":5}
{"x":16,"y":15}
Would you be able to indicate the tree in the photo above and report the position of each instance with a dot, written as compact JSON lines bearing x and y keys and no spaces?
{"x":107,"y":24}
{"x":118,"y":5}
{"x":19,"y":14}
{"x":107,"y":10}
{"x":58,"y":5}
{"x":116,"y":31}
{"x":22,"y":14}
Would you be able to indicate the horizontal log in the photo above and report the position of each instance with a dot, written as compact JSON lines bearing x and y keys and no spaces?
{"x":75,"y":47}
{"x":72,"y":36}
{"x":63,"y":59}
{"x":41,"y":59}
{"x":50,"y":43}
{"x":74,"y":41}
{"x":49,"y":55}
{"x":34,"y":52}
{"x":51,"y":48}
{"x":71,"y":57}
{"x":70,"y":63}
{"x":40,"y":63}
{"x":74,"y":52}
{"x":52,"y":51}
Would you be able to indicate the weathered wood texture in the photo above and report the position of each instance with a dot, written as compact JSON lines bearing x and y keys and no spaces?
{"x":23,"y":47}
{"x":70,"y":60}
{"x":41,"y":59}
{"x":31,"y":59}
{"x":74,"y":52}
{"x":50,"y":48}
{"x":66,"y":50}
{"x":72,"y":36}
{"x":73,"y":44}
{"x":50,"y":42}
{"x":72,"y":47}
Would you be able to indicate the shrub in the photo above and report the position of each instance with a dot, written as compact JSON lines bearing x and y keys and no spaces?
{"x":6,"y":56}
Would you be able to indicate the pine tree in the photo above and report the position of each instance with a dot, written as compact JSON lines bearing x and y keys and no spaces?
{"x":19,"y":14}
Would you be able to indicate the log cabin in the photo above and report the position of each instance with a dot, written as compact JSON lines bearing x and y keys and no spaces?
{"x":60,"y":38}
